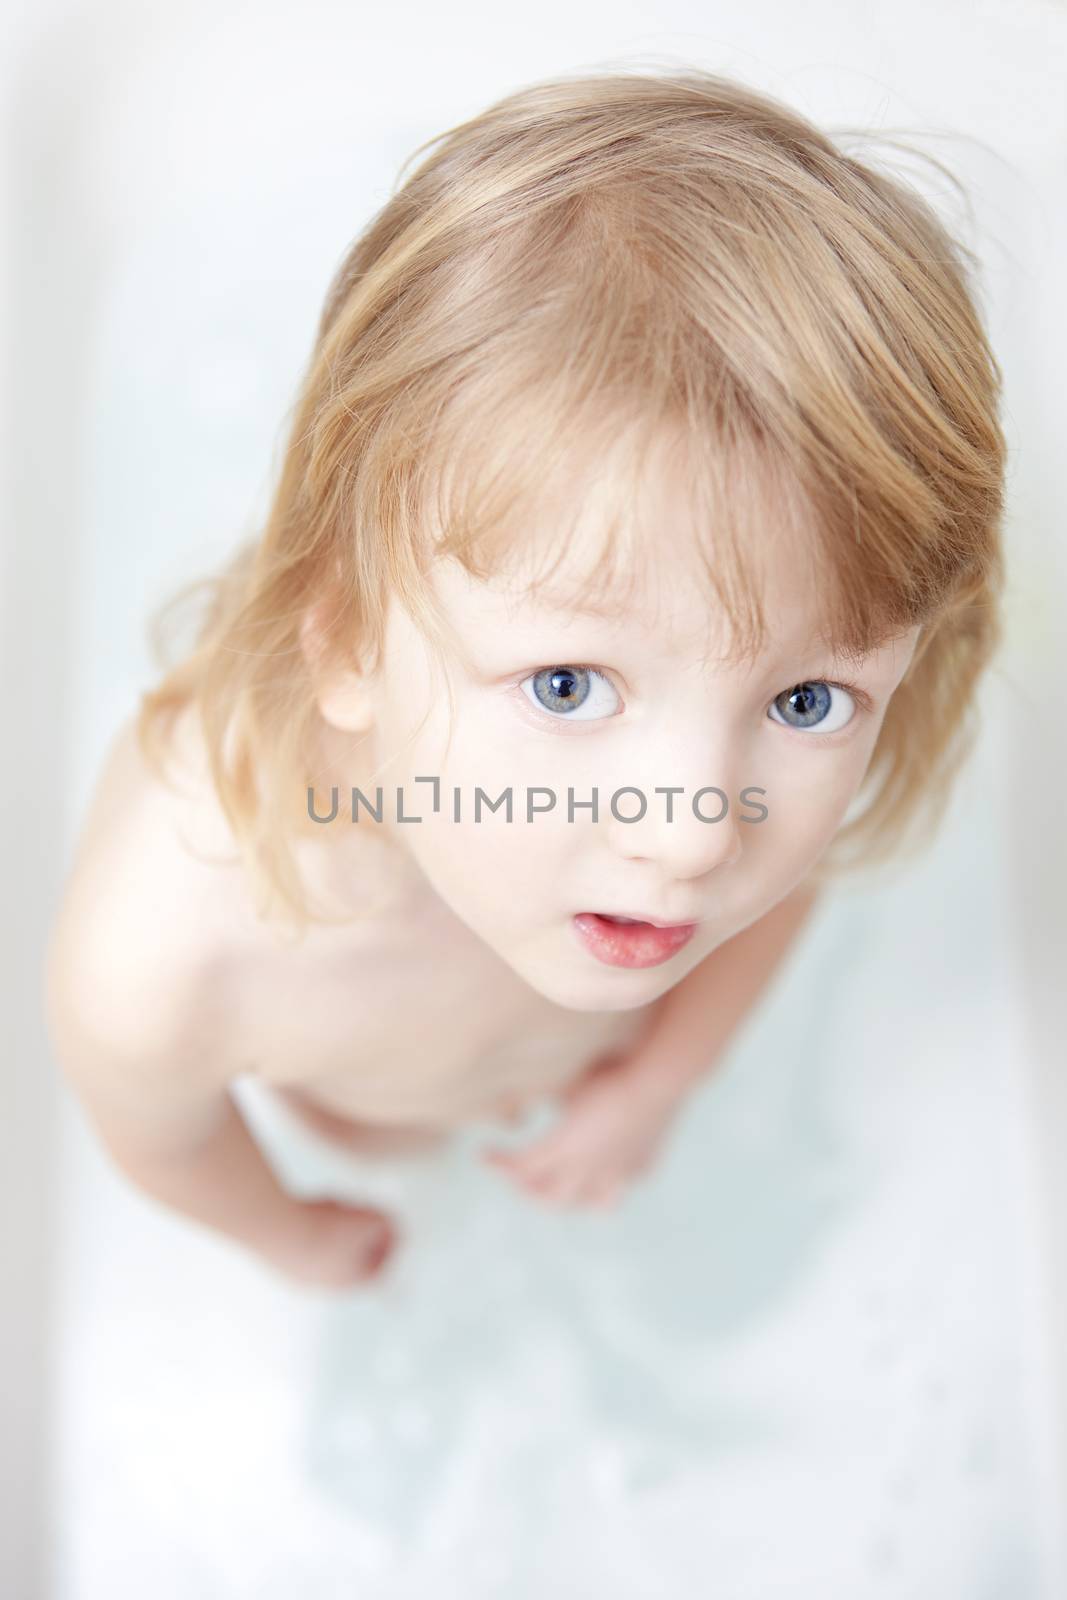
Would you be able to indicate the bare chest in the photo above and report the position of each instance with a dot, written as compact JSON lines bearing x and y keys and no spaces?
{"x":411,"y":1030}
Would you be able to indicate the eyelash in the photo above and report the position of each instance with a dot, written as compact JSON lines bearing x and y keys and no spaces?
{"x":860,"y":696}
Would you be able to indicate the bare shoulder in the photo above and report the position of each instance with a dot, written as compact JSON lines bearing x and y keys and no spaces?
{"x":136,"y":961}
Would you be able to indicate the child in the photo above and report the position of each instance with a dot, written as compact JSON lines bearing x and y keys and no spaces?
{"x":640,"y":512}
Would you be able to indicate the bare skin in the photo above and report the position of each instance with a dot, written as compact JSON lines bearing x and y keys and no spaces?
{"x":329,"y":1022}
{"x":457,"y":988}
{"x":389,"y":1033}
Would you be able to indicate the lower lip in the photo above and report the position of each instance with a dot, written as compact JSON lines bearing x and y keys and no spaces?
{"x":630,"y":944}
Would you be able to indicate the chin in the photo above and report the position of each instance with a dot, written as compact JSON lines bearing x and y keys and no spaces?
{"x":610,"y":990}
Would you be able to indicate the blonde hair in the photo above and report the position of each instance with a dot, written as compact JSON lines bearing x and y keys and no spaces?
{"x":592,"y":259}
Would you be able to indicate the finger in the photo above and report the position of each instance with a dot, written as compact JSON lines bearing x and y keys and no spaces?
{"x":562,"y":1188}
{"x":505,"y":1158}
{"x":592,"y":1190}
{"x":533,"y":1180}
{"x":540,"y":1169}
{"x":595,"y":1199}
{"x":536,"y":1160}
{"x":538,"y":1184}
{"x":553,"y":1199}
{"x":556,"y":1171}
{"x":537,"y":1177}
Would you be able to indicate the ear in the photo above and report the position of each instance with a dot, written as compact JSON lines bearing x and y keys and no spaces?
{"x":343,"y":693}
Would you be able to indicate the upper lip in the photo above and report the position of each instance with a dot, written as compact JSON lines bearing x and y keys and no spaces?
{"x":656,"y":922}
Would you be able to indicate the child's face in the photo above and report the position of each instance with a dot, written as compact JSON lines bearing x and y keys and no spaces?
{"x":644,"y":704}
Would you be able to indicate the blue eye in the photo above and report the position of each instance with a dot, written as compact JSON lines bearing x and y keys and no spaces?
{"x":573,"y":694}
{"x":811,"y":705}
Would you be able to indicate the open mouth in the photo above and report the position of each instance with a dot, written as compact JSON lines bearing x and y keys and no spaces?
{"x":619,"y":941}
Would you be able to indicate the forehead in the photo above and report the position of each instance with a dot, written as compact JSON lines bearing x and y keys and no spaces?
{"x":701,"y":535}
{"x":628,"y":553}
{"x":500,"y":621}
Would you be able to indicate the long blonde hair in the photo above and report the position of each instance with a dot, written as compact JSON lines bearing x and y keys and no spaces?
{"x":595,"y":257}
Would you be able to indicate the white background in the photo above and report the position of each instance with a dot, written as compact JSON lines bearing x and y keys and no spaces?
{"x":871,"y":1348}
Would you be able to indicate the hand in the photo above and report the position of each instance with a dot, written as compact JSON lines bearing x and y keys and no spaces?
{"x":335,"y":1246}
{"x":608,"y":1133}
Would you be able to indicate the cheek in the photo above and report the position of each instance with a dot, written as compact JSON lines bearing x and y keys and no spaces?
{"x":475,"y":745}
{"x":811,"y":792}
{"x":497,"y":877}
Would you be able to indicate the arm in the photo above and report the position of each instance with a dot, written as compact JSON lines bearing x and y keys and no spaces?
{"x":147,"y":1073}
{"x":616,"y":1115}
{"x":143,"y":1043}
{"x":698,"y":1018}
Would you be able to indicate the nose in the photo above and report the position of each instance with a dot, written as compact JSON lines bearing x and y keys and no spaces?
{"x":684,"y":834}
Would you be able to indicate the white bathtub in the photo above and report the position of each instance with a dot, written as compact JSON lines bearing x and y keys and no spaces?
{"x":814,"y":1356}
